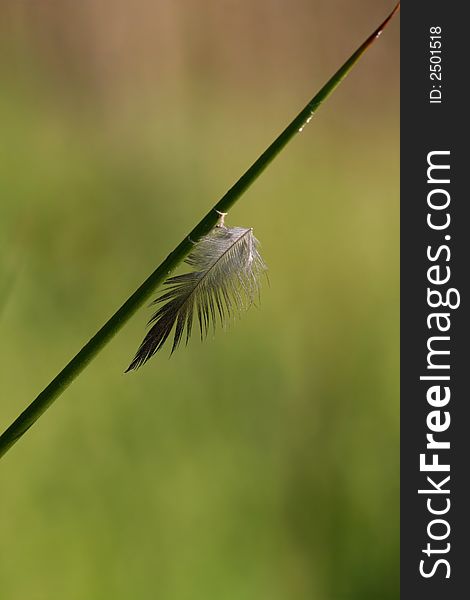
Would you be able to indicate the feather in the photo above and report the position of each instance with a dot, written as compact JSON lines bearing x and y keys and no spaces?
{"x":225,"y":280}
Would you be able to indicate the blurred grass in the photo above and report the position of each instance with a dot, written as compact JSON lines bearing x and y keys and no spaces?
{"x":261,"y":464}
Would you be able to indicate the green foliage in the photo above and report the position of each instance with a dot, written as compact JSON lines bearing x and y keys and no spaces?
{"x":272,"y":471}
{"x":99,"y":340}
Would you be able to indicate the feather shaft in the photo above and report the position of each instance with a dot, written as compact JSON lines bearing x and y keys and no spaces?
{"x":225,"y":280}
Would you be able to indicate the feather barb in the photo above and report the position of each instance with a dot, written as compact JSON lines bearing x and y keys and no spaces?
{"x":225,"y":279}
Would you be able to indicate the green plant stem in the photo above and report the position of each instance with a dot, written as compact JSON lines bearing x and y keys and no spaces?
{"x":78,"y":363}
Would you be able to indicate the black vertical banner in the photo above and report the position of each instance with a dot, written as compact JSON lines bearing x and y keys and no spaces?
{"x":435,"y":335}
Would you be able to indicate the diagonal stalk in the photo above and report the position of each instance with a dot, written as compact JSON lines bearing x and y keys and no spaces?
{"x":79,"y":362}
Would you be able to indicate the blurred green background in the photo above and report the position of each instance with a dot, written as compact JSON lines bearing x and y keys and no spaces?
{"x":262,"y":464}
